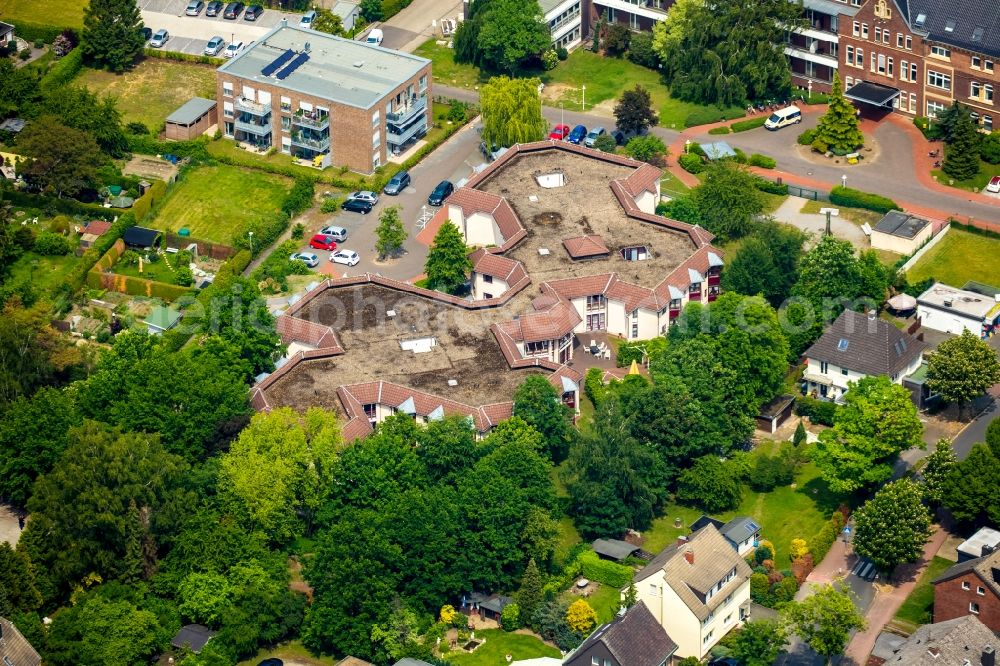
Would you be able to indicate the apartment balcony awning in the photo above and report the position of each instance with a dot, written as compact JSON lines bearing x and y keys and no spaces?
{"x":817,"y":379}
{"x":401,"y":138}
{"x":874,"y":94}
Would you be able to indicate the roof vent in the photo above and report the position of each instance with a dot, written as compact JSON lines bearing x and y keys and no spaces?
{"x":948,"y":302}
{"x":977,"y":35}
{"x":921,"y":19}
{"x":452,"y":382}
{"x":949,"y":25}
{"x":359,"y":63}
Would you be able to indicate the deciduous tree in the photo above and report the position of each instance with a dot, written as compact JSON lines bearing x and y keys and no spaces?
{"x":634,"y":111}
{"x":32,"y":353}
{"x":82,"y":109}
{"x":61,"y":160}
{"x":647,"y":148}
{"x":711,"y":485}
{"x":877,"y":423}
{"x":824,"y":620}
{"x":580,"y":617}
{"x":728,"y":201}
{"x":759,"y":643}
{"x":511,"y":111}
{"x":936,"y":470}
{"x":767,"y":263}
{"x":111,"y":37}
{"x":18,"y":590}
{"x":972,"y":489}
{"x":389,"y":234}
{"x":838,"y":128}
{"x":328,"y":22}
{"x":540,"y":405}
{"x":240,"y":317}
{"x":448,"y":263}
{"x":962,"y":368}
{"x":892,"y":527}
{"x":511,"y":32}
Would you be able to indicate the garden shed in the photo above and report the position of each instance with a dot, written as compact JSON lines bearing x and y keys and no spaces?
{"x":193,"y":637}
{"x":161,"y":319}
{"x":718,"y":150}
{"x":142,"y":238}
{"x":192,"y":119}
{"x":774,"y":413}
{"x":614,"y":549}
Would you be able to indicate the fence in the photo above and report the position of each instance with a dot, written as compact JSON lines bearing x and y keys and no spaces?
{"x":101,"y":277}
{"x":205,"y":248}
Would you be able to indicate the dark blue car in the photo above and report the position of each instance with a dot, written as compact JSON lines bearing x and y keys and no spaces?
{"x":578,"y":134}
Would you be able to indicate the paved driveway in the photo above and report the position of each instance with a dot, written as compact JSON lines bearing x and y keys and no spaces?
{"x":189,"y":34}
{"x":417,"y":23}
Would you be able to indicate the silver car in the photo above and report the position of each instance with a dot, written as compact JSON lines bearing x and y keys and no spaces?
{"x":310,"y":259}
{"x":339,"y":233}
{"x":215,"y":46}
{"x":194,"y":7}
{"x":159,"y":39}
{"x":365,"y":195}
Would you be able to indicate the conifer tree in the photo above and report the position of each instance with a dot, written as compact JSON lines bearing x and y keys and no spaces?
{"x":111,"y":34}
{"x":961,"y":154}
{"x":838,"y":128}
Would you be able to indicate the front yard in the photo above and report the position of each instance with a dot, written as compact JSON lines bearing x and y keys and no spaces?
{"x":153,"y":90}
{"x":917,"y":608}
{"x":959,"y":257}
{"x":974,"y":184}
{"x":292,"y":652}
{"x":214,"y":201}
{"x":498,"y":645}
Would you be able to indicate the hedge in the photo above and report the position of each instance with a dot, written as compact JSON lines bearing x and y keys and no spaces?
{"x":712,"y":114}
{"x":145,"y":203}
{"x":32,"y":32}
{"x":604,"y":571}
{"x":719,"y":130}
{"x":183,"y":57}
{"x":765,"y":185}
{"x":975,"y":230}
{"x":97,"y":278}
{"x":763,"y":161}
{"x":818,"y":411}
{"x":64,"y":206}
{"x":78,"y":276}
{"x":806,"y":138}
{"x":691,"y":163}
{"x":267,"y":230}
{"x":63,"y":72}
{"x":820,"y":544}
{"x":846,"y":196}
{"x":752,"y":123}
{"x":147,"y":145}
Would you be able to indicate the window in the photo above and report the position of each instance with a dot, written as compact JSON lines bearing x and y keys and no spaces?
{"x":423,"y":83}
{"x":941,"y":51}
{"x":974,"y":608}
{"x":885,"y":36}
{"x":848,"y":82}
{"x":694,"y":287}
{"x":488,"y":279}
{"x":286,"y":104}
{"x":913,"y":71}
{"x":595,"y":661}
{"x":652,"y":589}
{"x":824,"y":367}
{"x":980,"y":590}
{"x":729,"y":618}
{"x":881,"y":64}
{"x":913,"y":101}
{"x":595,"y":302}
{"x":227,"y":89}
{"x":227,"y":110}
{"x":376,"y":139}
{"x":889,"y":66}
{"x":376,"y":160}
{"x":899,"y":40}
{"x":286,"y":124}
{"x":850,"y":55}
{"x":988,"y":93}
{"x":977,"y":62}
{"x":635,"y":329}
{"x":975,"y":89}
{"x":934,"y":108}
{"x":904,"y":70}
{"x":857,"y":29}
{"x":878,"y":34}
{"x":708,"y":637}
{"x":607,"y":662}
{"x":938,"y":80}
{"x":909,"y":43}
{"x":536,"y":348}
{"x":988,"y":123}
{"x":844,"y":371}
{"x":988,"y":65}
{"x":376,"y":117}
{"x":860,"y":60}
{"x":864,"y":31}
{"x":635,"y":253}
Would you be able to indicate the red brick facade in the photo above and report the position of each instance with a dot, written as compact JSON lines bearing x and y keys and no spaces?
{"x":952,"y":600}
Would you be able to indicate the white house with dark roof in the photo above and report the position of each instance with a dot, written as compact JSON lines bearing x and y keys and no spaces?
{"x":698,"y":590}
{"x":855,"y":346}
{"x":632,"y":638}
{"x":951,"y":310}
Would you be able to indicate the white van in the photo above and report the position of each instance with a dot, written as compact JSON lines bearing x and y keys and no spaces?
{"x":374,"y":37}
{"x":783,"y":117}
{"x":307,"y":19}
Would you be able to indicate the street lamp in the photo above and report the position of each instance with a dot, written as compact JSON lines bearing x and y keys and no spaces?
{"x":843,"y":180}
{"x":687,"y":145}
{"x":250,"y":234}
{"x":583,"y":104}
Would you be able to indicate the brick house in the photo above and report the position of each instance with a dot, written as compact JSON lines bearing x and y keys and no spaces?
{"x":324,"y":99}
{"x":970,"y":588}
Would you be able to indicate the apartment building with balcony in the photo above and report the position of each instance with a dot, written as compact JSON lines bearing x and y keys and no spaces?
{"x":324,"y":99}
{"x":813,"y":51}
{"x":565,"y":22}
{"x":918,"y":56}
{"x":636,"y":14}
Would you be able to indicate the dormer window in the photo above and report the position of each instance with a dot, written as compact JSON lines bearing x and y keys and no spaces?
{"x":694,"y":287}
{"x":635,"y":253}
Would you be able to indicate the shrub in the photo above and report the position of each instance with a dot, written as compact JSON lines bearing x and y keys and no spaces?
{"x":510,"y":617}
{"x":807,"y":137}
{"x":764,"y":551}
{"x":562,"y":53}
{"x":24,"y":238}
{"x":709,"y":484}
{"x":456,"y":112}
{"x":39,"y":43}
{"x":784,"y":590}
{"x":300,"y":197}
{"x":819,"y":146}
{"x":763,"y":161}
{"x":605,"y":143}
{"x":719,"y":130}
{"x":691,"y":163}
{"x":330,"y":205}
{"x":24,"y":54}
{"x":34,"y":32}
{"x":52,"y":245}
{"x":851,"y":198}
{"x":137,"y":128}
{"x":593,"y":386}
{"x":802,"y":567}
{"x":741,"y":157}
{"x":798,"y":549}
{"x":711,"y":114}
{"x":298,"y":231}
{"x":550,"y":59}
{"x":749,"y":124}
{"x":648,"y":148}
{"x":989,"y":149}
{"x":772,"y":471}
{"x":604,"y":571}
{"x":760,"y":589}
{"x":182,"y":57}
{"x":695,"y":147}
{"x":765,"y":185}
{"x":63,"y":72}
{"x":818,"y":411}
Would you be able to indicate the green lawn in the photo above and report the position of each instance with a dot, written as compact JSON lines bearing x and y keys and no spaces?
{"x":153,"y":90}
{"x":292,"y":651}
{"x":500,"y":643}
{"x":606,"y":601}
{"x":916,"y":610}
{"x":784,"y":514}
{"x":976,"y":184}
{"x":856,"y":216}
{"x":159,"y":271}
{"x":212,"y":202}
{"x":605,"y":78}
{"x":63,"y":13}
{"x":672,"y":186}
{"x":43,"y":273}
{"x":959,"y":257}
{"x":772,"y":201}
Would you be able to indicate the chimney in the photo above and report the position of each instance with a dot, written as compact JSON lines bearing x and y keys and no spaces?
{"x":989,"y":656}
{"x":681,"y":541}
{"x":689,"y":556}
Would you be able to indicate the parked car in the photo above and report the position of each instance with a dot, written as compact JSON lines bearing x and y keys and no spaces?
{"x":233,"y":49}
{"x":994,"y":184}
{"x":214,"y":8}
{"x":578,"y":134}
{"x":147,"y":33}
{"x":214,"y":46}
{"x":194,"y":7}
{"x":397,"y":183}
{"x":233,"y":11}
{"x":592,"y":136}
{"x":493,"y":152}
{"x":307,"y":19}
{"x":559,"y":132}
{"x":310,"y":259}
{"x":349,"y":257}
{"x":790,"y":115}
{"x":364,"y":195}
{"x":357,"y":206}
{"x":159,"y":39}
{"x":621,"y":138}
{"x":338,"y":234}
{"x":323,"y":242}
{"x":271,"y":662}
{"x":440,"y":193}
{"x":375,"y":37}
{"x":253,"y":13}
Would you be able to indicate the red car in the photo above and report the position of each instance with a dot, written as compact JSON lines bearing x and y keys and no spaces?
{"x":323,"y":242}
{"x":559,"y":132}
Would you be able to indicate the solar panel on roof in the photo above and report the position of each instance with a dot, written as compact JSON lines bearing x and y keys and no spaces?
{"x":293,"y":65}
{"x":752,"y":526}
{"x":921,"y":18}
{"x":277,"y":62}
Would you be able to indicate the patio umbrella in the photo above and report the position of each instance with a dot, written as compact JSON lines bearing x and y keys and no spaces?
{"x":902,"y":302}
{"x":634,"y":368}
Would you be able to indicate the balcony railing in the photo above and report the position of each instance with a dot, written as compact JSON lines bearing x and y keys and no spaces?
{"x":253,"y":128}
{"x":311,"y":143}
{"x":569,"y":19}
{"x":415,"y":106}
{"x":313,"y":121}
{"x":249,"y":106}
{"x":394,"y":138}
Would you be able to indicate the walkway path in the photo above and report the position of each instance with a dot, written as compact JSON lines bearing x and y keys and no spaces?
{"x":886,"y":604}
{"x":790,"y":212}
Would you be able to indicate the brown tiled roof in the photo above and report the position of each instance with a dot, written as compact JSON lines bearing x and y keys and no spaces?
{"x":558,"y":319}
{"x":590,"y":285}
{"x":873,"y":345}
{"x":713,"y":559}
{"x":293,"y":329}
{"x":633,"y":295}
{"x":643,"y":179}
{"x":15,"y":648}
{"x":477,"y":201}
{"x":680,"y":277}
{"x":485,"y":262}
{"x":633,"y":639}
{"x":97,"y":227}
{"x":585,"y":246}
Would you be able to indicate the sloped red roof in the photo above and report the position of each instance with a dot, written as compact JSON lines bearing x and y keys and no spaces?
{"x":633,"y":295}
{"x":292,"y":329}
{"x":97,"y":227}
{"x":485,"y":262}
{"x":590,"y":285}
{"x":585,"y":246}
{"x":643,"y":179}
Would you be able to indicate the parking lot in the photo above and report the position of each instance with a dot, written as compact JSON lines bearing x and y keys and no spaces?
{"x":190,"y":34}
